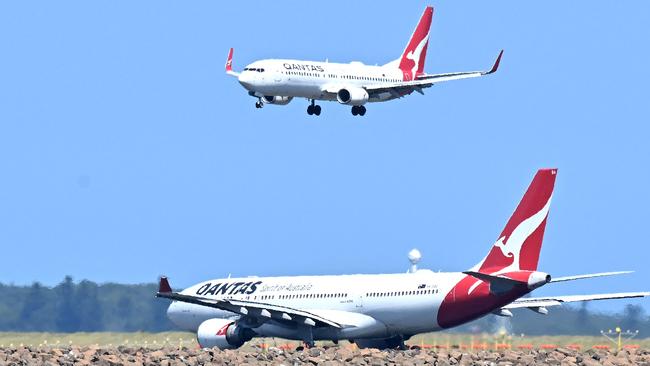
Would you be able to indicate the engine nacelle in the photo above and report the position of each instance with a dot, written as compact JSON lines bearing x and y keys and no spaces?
{"x":276,"y":99}
{"x":353,"y":96}
{"x":223,"y":334}
{"x":537,"y":279}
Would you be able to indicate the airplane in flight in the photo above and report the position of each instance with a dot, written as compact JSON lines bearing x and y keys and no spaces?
{"x":278,"y":81}
{"x":382,"y":310}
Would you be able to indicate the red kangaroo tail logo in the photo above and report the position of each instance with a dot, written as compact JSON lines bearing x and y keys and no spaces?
{"x":223,"y":330}
{"x":412,"y":60}
{"x":229,"y":60}
{"x":520,"y":242}
{"x":517,"y":248}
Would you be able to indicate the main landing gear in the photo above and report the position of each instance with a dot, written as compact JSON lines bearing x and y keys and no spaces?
{"x":358,"y":110}
{"x":313,"y":108}
{"x":259,"y":104}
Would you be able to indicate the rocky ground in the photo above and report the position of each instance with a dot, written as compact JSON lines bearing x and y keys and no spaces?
{"x":315,"y":356}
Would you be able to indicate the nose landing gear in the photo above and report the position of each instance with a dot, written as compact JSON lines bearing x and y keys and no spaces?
{"x":358,"y":110}
{"x":313,"y":108}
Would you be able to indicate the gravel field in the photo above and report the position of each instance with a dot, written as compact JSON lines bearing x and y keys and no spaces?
{"x":316,"y":356}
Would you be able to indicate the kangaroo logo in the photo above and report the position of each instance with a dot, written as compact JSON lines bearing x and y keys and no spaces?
{"x":511,"y":247}
{"x":223,"y":330}
{"x":415,"y":54}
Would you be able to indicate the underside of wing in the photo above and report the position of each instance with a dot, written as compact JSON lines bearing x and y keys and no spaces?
{"x":261,"y":311}
{"x":537,"y":302}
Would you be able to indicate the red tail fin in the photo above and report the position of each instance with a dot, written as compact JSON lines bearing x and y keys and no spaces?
{"x":412,"y":60}
{"x":229,"y":61}
{"x":520,"y":242}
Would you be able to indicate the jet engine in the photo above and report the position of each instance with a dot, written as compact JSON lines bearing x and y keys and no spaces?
{"x":276,"y":99}
{"x":223,"y":334}
{"x":353,"y":96}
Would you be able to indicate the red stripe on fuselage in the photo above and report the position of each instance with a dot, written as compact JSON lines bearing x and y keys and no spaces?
{"x":461,"y":306}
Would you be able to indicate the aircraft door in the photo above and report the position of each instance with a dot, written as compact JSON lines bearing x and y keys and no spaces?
{"x":278,"y":76}
{"x":358,"y":301}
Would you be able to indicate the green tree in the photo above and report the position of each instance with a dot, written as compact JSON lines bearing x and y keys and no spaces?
{"x":33,"y":315}
{"x":88,"y":307}
{"x":632,"y":317}
{"x":67,"y":318}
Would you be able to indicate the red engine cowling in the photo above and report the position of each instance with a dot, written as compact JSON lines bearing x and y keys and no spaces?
{"x":223,"y":334}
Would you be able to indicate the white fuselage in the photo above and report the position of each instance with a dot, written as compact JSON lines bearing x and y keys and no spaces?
{"x":310,"y":79}
{"x":394,"y":303}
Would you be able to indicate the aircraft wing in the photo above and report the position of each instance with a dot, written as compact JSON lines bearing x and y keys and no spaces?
{"x":537,"y":302}
{"x":254,"y":309}
{"x":427,"y":80}
{"x":592,"y":275}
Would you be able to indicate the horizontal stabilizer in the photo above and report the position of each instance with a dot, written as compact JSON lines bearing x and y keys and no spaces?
{"x":498,"y":284}
{"x":491,"y":278}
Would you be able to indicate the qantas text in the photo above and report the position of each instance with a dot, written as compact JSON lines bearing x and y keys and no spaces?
{"x":246,"y":288}
{"x":289,"y":66}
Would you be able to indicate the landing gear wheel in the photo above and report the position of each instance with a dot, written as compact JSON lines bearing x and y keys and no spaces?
{"x":258,"y":105}
{"x":310,"y":110}
{"x":355,"y":110}
{"x":362,"y":110}
{"x":317,"y":110}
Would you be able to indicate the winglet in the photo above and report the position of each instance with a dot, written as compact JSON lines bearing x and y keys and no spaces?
{"x":495,"y":67}
{"x":229,"y":61}
{"x":163,"y":286}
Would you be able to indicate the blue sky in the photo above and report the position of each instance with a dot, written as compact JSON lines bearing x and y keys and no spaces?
{"x":127,"y":153}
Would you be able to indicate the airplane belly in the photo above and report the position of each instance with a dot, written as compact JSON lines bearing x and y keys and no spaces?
{"x":417,"y":316}
{"x":302,"y":89}
{"x":364,"y":327}
{"x":273,"y":89}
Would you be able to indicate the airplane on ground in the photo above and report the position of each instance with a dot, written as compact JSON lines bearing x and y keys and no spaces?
{"x":382,"y":310}
{"x":278,"y":81}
